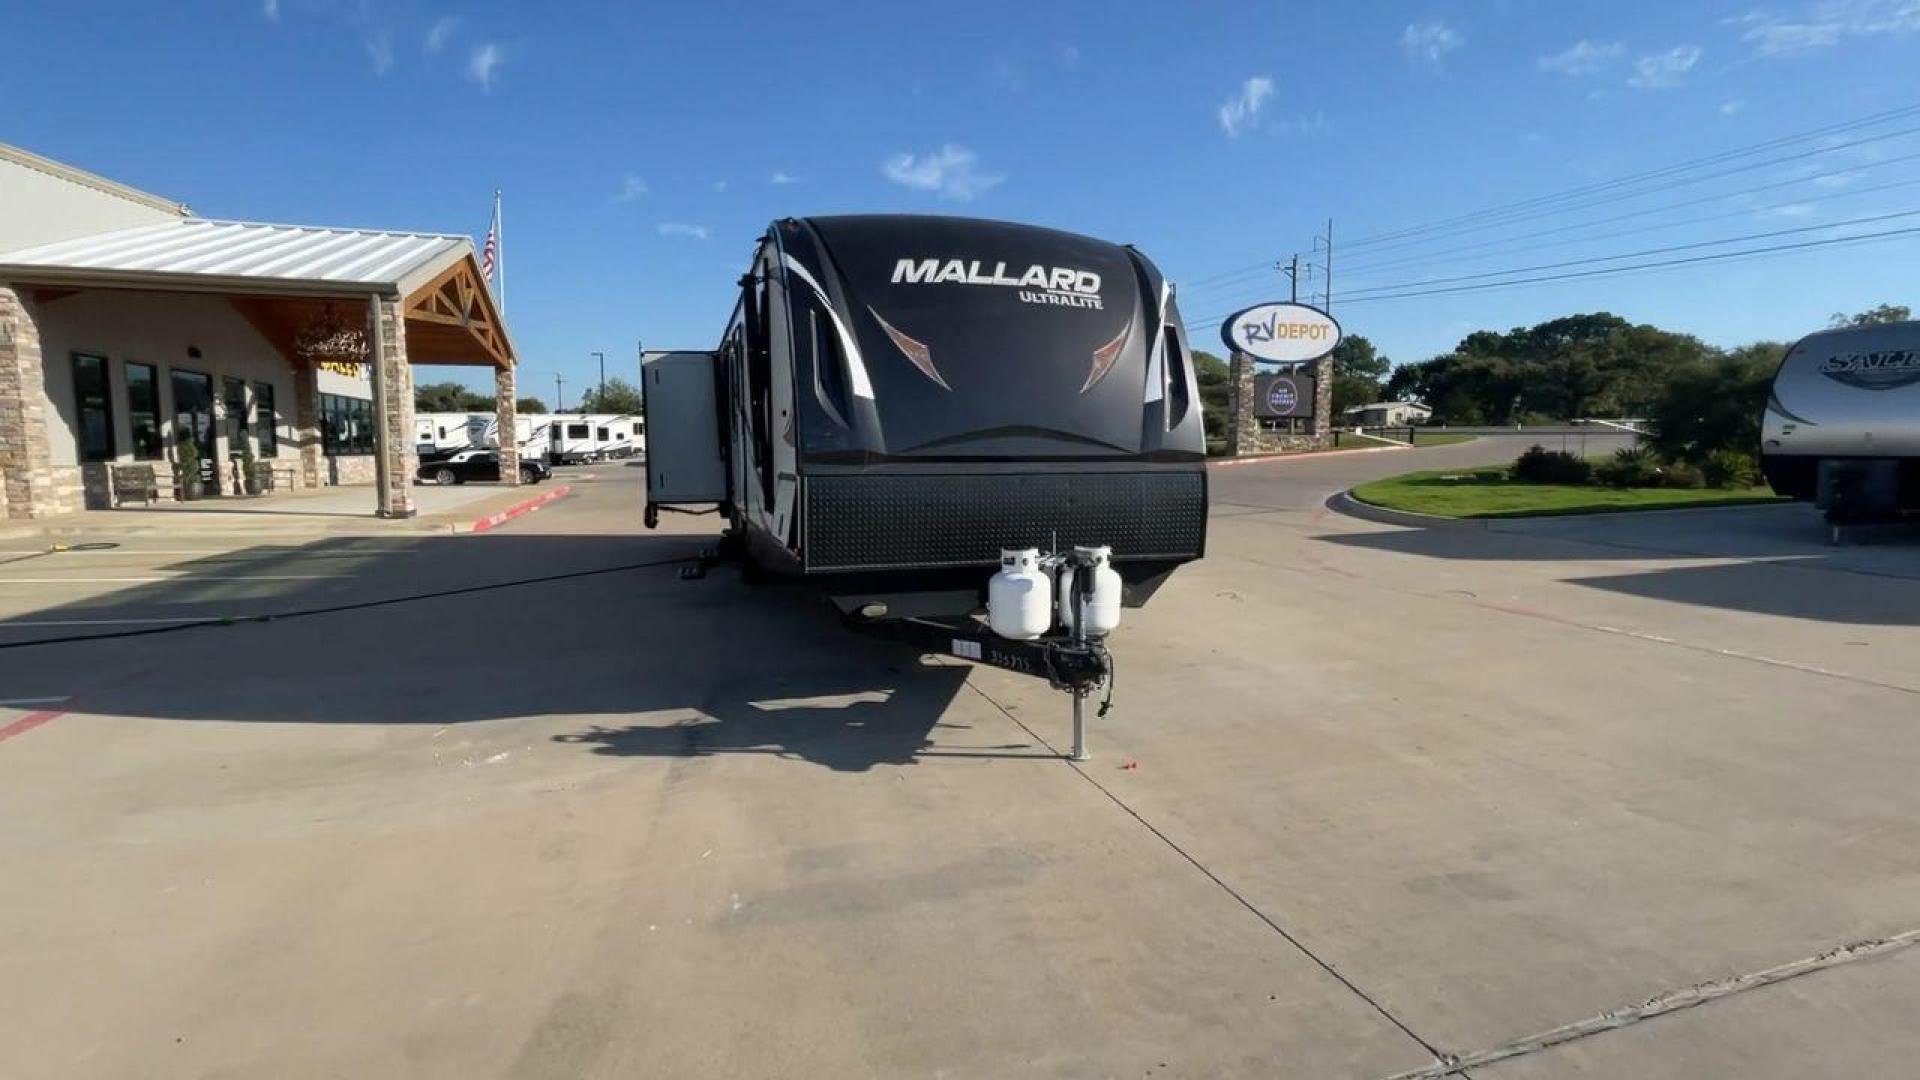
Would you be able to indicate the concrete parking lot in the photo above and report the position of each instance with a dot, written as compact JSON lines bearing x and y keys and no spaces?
{"x":1373,"y":800}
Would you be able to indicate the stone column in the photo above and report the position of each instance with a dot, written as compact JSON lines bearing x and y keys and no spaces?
{"x":306,"y":423}
{"x":1240,"y":406}
{"x":506,"y":413}
{"x":26,"y":462}
{"x":1323,"y":399}
{"x":393,"y":404}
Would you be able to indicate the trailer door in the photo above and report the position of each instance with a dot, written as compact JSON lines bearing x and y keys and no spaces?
{"x":686,"y":462}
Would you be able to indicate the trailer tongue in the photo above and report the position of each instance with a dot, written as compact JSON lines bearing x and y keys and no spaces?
{"x":935,"y":419}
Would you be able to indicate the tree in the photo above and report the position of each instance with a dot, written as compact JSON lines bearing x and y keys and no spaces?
{"x":1715,"y":405}
{"x":1885,"y":313}
{"x":1358,"y":370}
{"x":618,"y":396}
{"x":529,"y":405}
{"x":449,"y":397}
{"x":1216,"y":392}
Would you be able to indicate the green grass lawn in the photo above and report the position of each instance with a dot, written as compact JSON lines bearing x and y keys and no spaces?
{"x":1487,"y":493}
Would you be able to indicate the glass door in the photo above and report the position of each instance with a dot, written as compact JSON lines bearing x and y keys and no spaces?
{"x":193,"y":420}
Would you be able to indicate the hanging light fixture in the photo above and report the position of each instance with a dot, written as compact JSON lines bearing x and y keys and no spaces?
{"x":327,"y":338}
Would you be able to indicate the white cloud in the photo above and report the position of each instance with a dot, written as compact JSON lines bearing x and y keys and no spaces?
{"x":1825,"y":23}
{"x":1662,"y":70}
{"x":271,"y":9}
{"x":1789,"y":212}
{"x":719,"y":185}
{"x":1428,"y":42}
{"x":482,"y":62}
{"x":952,"y":171}
{"x":1583,"y":57}
{"x":441,"y":32}
{"x":380,"y":51}
{"x":681,"y":228}
{"x":781,"y":176}
{"x":1242,"y":111}
{"x":631,"y":188}
{"x":1733,"y":107}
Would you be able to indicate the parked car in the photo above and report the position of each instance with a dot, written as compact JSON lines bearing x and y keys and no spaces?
{"x":478,"y":465}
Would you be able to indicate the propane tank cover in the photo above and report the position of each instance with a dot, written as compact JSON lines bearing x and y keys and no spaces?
{"x":1019,"y":598}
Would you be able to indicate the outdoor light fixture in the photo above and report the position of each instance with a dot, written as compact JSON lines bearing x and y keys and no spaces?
{"x":329,"y":337}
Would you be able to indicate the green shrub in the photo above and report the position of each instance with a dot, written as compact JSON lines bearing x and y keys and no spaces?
{"x":1629,"y":467}
{"x":1540,"y":465}
{"x":1730,"y":469}
{"x":1679,"y":474}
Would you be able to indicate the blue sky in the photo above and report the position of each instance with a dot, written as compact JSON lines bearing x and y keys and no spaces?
{"x":642,"y":149}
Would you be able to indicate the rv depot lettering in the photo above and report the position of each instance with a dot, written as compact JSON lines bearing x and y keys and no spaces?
{"x":1275,"y":330}
{"x":1059,"y":285}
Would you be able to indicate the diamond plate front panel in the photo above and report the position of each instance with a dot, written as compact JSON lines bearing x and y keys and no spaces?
{"x":885,"y":521}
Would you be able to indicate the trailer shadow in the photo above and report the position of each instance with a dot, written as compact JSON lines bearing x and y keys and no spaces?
{"x":593,"y":641}
{"x":1771,"y":560}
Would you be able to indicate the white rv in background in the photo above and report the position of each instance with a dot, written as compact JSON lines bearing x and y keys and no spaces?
{"x":529,"y":433}
{"x":577,"y":438}
{"x":441,"y":433}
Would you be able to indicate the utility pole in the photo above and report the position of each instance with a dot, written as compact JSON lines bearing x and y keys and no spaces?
{"x":1329,"y":306}
{"x":559,"y":394}
{"x":603,"y":377}
{"x":1292,"y":270}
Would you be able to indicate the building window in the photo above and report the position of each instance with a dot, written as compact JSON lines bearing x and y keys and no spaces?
{"x":266,"y":420}
{"x":346,"y":425}
{"x":235,"y":393}
{"x":143,"y":412}
{"x":94,"y":433}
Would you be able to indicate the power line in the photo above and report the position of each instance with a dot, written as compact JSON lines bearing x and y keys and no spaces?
{"x":1665,"y":171}
{"x":1575,"y":193}
{"x":1806,"y":200}
{"x":1635,"y":254}
{"x":1624,"y":196}
{"x":1665,"y":264}
{"x":1616,"y":270}
{"x":1225,"y":292}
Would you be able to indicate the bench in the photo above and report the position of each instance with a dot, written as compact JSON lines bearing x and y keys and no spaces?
{"x":134,"y":482}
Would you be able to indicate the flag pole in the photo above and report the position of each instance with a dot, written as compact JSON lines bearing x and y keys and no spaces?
{"x":500,"y":250}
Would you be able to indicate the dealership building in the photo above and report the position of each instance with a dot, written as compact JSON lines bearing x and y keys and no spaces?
{"x":147,"y":354}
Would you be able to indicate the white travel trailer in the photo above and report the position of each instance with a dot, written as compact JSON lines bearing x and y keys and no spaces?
{"x":1842,"y":425}
{"x":529,"y":433}
{"x":441,"y":433}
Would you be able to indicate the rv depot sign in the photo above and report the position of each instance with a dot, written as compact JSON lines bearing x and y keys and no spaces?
{"x":1281,"y":333}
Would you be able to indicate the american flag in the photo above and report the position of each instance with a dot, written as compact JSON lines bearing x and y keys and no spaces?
{"x":491,"y":248}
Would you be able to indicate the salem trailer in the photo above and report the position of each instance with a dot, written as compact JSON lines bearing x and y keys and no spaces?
{"x":900,"y":406}
{"x":1842,"y":425}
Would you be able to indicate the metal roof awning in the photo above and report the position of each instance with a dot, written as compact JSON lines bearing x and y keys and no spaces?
{"x":268,"y":269}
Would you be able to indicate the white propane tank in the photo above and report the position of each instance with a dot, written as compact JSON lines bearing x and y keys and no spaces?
{"x":1019,"y":601}
{"x":1103,"y":607}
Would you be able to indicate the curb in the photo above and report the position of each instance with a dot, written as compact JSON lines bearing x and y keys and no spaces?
{"x":1343,"y":502}
{"x":493,"y":521}
{"x":1255,"y":459}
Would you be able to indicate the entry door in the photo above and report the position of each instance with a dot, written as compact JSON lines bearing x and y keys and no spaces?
{"x":193,"y":419}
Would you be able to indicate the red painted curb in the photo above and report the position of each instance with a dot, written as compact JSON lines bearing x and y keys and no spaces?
{"x":29,"y":722}
{"x":1221,"y":463}
{"x":492,"y":521}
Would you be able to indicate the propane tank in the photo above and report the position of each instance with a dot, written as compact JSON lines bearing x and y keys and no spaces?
{"x":1103,"y":607}
{"x":1019,"y":604}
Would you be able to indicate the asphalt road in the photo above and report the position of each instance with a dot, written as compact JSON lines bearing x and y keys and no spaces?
{"x":1369,"y":796}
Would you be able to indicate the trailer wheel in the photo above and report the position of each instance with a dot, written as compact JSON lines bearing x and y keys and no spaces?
{"x":652,"y":516}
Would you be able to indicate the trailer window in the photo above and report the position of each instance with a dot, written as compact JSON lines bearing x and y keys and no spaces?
{"x":601,"y":434}
{"x":1179,"y":395}
{"x":576,"y":431}
{"x":760,"y":379}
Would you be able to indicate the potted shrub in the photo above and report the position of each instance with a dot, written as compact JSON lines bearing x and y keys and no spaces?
{"x":248,"y":477}
{"x":189,"y":467}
